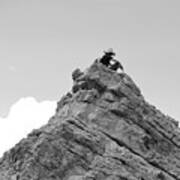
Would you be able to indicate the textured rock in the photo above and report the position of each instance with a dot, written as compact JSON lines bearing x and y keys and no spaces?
{"x":102,"y":130}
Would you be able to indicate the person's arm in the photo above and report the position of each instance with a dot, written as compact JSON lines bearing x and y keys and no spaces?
{"x":113,"y":61}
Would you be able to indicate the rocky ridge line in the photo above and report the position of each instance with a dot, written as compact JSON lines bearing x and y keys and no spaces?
{"x":103,"y":130}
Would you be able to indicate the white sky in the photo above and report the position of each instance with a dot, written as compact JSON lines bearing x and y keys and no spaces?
{"x":25,"y":115}
{"x":43,"y":41}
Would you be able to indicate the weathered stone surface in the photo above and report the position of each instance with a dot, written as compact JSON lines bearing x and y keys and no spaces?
{"x":102,"y":130}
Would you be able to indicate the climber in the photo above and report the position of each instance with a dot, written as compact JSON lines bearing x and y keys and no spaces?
{"x":107,"y":57}
{"x":116,"y":65}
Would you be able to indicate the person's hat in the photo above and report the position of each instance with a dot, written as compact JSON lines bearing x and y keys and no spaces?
{"x":110,"y":51}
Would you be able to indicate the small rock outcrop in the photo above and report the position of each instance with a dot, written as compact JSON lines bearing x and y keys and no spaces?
{"x":102,"y":130}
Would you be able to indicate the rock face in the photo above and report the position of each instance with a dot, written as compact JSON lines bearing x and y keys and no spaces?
{"x":102,"y":130}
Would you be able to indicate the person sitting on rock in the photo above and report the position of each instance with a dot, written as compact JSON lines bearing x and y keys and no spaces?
{"x":107,"y":57}
{"x":116,"y":65}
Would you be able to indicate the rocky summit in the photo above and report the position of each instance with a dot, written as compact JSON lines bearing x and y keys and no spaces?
{"x":103,"y":129}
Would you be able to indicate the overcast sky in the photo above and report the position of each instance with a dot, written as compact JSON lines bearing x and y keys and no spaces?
{"x":43,"y":41}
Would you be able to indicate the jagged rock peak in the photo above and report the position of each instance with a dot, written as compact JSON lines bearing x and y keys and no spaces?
{"x":102,"y":130}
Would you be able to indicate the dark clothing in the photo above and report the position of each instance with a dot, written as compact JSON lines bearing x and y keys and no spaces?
{"x":106,"y":59}
{"x":116,"y":66}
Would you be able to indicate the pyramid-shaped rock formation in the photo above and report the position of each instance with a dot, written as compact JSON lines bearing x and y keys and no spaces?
{"x":102,"y":130}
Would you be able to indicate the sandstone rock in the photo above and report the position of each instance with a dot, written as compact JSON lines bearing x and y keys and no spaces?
{"x":102,"y":130}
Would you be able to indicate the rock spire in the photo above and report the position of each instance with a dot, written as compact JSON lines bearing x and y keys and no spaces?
{"x":103,"y":129}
